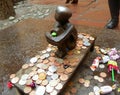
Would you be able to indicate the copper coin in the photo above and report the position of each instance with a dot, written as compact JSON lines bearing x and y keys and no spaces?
{"x":25,"y":66}
{"x":27,"y":89}
{"x":44,"y":82}
{"x":103,"y":74}
{"x":45,"y":61}
{"x":63,"y":77}
{"x":69,"y":70}
{"x":12,"y":76}
{"x":52,"y":59}
{"x":101,"y":79}
{"x":60,"y":69}
{"x":42,"y":76}
{"x":73,"y":90}
{"x":14,"y":80}
{"x":81,"y":80}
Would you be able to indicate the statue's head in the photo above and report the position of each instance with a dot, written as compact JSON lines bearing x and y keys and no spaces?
{"x":62,"y":14}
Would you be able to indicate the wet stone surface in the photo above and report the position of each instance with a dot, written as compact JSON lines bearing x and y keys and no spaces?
{"x":19,"y":43}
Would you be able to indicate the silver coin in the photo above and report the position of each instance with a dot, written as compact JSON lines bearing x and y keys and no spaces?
{"x":52,"y":68}
{"x":49,"y":89}
{"x":49,"y":49}
{"x":33,"y":60}
{"x":86,"y":43}
{"x":49,"y":73}
{"x":40,"y":90}
{"x":22,"y":82}
{"x":24,"y":76}
{"x":46,"y":55}
{"x":35,"y":77}
{"x":55,"y":76}
{"x":54,"y":92}
{"x":59,"y":86}
{"x":40,"y":70}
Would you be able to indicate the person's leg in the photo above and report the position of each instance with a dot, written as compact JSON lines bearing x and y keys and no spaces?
{"x":114,"y":6}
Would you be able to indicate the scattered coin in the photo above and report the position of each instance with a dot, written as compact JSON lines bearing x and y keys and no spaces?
{"x":53,"y":83}
{"x":49,"y":89}
{"x":59,"y":86}
{"x":32,"y":92}
{"x":28,"y":82}
{"x":54,"y":92}
{"x":103,"y":74}
{"x":33,"y":60}
{"x":81,"y":80}
{"x":14,"y":80}
{"x":101,"y":66}
{"x":35,"y":77}
{"x":101,"y":79}
{"x":27,"y":89}
{"x":91,"y":93}
{"x":38,"y":81}
{"x":96,"y":77}
{"x":22,"y":82}
{"x":52,"y":68}
{"x":40,"y":90}
{"x":63,"y":77}
{"x":44,"y":82}
{"x":73,"y":90}
{"x":42,"y":76}
{"x":12,"y":76}
{"x":25,"y":66}
{"x":55,"y":76}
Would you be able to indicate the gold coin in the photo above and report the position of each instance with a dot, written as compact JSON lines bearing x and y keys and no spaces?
{"x":42,"y":76}
{"x":25,"y":66}
{"x":27,"y":89}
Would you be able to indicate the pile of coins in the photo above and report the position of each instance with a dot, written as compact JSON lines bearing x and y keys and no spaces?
{"x":47,"y":74}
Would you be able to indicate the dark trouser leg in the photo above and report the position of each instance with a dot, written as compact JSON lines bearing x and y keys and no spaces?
{"x":114,"y":6}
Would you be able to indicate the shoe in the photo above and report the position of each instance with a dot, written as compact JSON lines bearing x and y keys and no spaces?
{"x":112,"y":24}
{"x":74,"y":2}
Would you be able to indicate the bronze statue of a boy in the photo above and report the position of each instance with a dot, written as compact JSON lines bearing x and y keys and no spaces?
{"x":64,"y":34}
